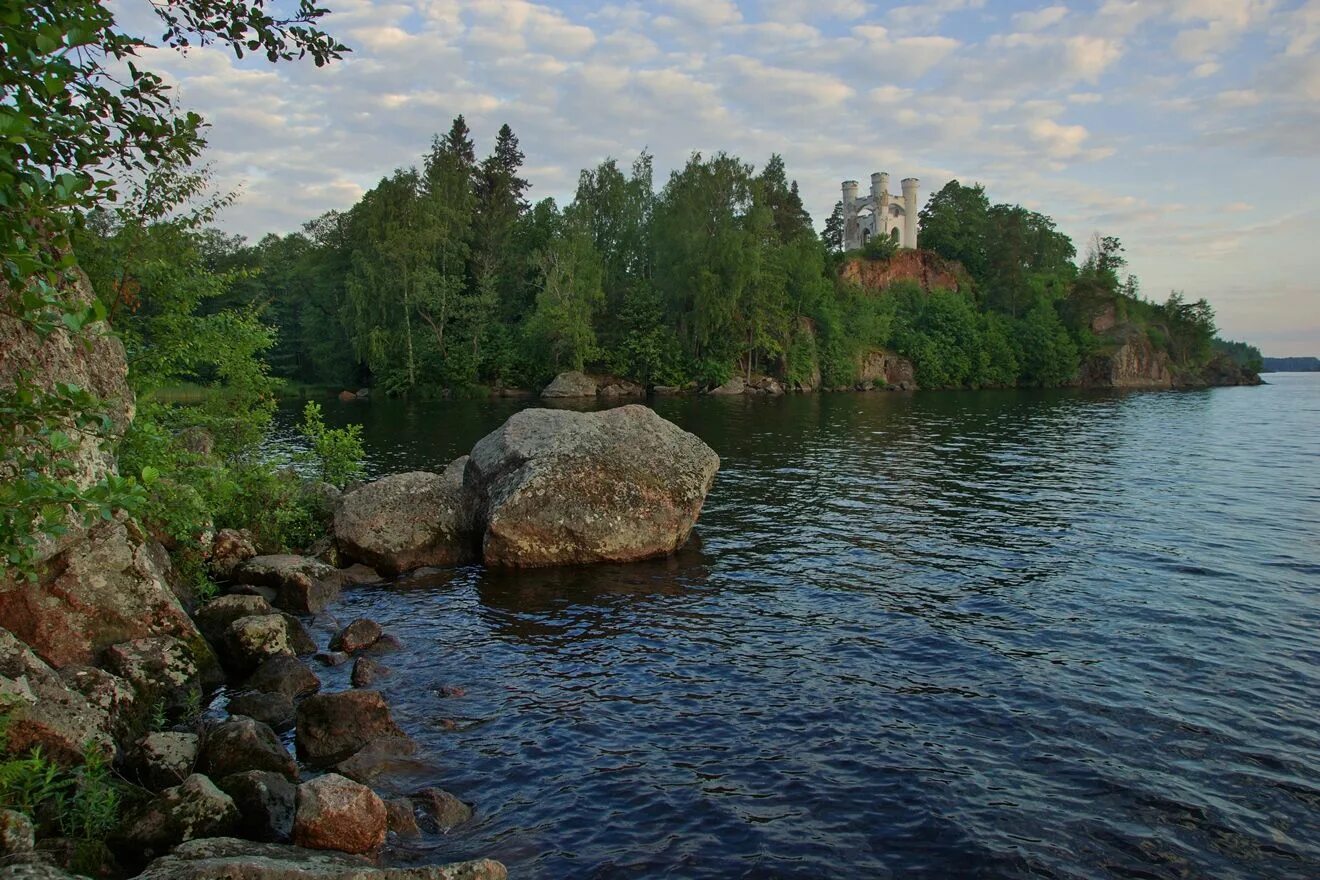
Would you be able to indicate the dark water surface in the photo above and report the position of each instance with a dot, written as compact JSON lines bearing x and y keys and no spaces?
{"x":999,"y":634}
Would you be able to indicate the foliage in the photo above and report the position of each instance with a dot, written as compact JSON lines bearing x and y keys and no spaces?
{"x":337,"y":453}
{"x":879,"y":247}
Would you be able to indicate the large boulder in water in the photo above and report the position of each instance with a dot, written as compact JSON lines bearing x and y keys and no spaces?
{"x":226,"y":858}
{"x":557,"y":487}
{"x":407,"y":521}
{"x":571,"y":385}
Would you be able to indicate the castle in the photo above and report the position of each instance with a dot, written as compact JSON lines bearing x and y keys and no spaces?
{"x":880,"y":213}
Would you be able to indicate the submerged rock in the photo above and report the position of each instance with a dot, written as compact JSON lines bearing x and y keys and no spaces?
{"x":358,"y":635}
{"x":441,"y":811}
{"x":367,"y":671}
{"x":332,"y":727}
{"x":407,"y":521}
{"x":284,"y":675}
{"x":340,"y":814}
{"x":231,"y":859}
{"x":556,"y":487}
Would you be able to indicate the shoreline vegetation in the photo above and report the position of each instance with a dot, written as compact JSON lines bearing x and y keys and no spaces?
{"x":152,"y":553}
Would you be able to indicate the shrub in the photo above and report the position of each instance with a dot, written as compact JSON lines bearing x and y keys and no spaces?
{"x":337,"y":453}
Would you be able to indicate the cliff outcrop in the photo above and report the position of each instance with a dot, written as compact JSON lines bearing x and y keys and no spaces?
{"x":1130,"y":362}
{"x":929,"y":270}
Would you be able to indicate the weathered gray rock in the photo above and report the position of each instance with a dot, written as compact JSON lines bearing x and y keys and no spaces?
{"x":108,"y":694}
{"x":229,"y":550}
{"x":401,"y":817}
{"x":332,"y":727}
{"x":273,"y":709}
{"x":736,"y":385}
{"x":765,"y":385}
{"x":36,"y":870}
{"x":340,"y":814}
{"x":571,"y":384}
{"x":107,"y":587}
{"x":43,"y":711}
{"x":617,"y":388}
{"x":266,"y":804}
{"x":18,"y":836}
{"x":162,"y":669}
{"x":367,"y":672}
{"x":284,"y":675}
{"x":555,"y":487}
{"x":440,"y":811}
{"x":332,"y":658}
{"x":407,"y":521}
{"x":299,"y":638}
{"x":251,"y":641}
{"x":232,"y":859}
{"x":195,"y":808}
{"x":301,"y":583}
{"x":389,"y":762}
{"x":214,"y":617}
{"x":361,"y":633}
{"x":241,"y":744}
{"x":164,"y":759}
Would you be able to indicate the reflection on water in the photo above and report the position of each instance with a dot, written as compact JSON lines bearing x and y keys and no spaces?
{"x":1001,"y":634}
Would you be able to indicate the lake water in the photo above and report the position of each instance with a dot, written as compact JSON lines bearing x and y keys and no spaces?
{"x":976,"y":634}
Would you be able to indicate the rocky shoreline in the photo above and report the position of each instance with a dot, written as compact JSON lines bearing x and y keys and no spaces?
{"x":112,"y":665}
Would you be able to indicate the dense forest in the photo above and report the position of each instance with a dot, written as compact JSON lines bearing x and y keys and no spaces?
{"x":446,"y":277}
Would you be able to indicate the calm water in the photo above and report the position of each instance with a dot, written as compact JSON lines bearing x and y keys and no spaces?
{"x":1001,"y":634}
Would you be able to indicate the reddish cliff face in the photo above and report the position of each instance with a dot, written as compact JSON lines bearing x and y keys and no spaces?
{"x":929,"y":270}
{"x":1132,"y":363}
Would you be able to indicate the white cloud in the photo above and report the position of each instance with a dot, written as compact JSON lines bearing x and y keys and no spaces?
{"x":1040,"y":19}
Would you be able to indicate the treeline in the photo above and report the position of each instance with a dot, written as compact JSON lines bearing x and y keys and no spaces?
{"x":446,"y":277}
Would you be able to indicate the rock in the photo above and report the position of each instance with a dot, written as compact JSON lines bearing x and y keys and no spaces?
{"x":571,"y":384}
{"x":389,"y":758}
{"x":34,"y":870}
{"x":43,"y":711}
{"x":299,"y":582}
{"x":361,"y":633}
{"x":273,"y":709}
{"x":241,"y":744}
{"x":332,"y":658}
{"x":322,"y":497}
{"x":340,"y":814}
{"x":18,"y":836}
{"x":326,"y":549}
{"x":736,"y":385}
{"x":284,"y":675}
{"x":347,"y":396}
{"x":161,"y":669}
{"x":616,"y":388}
{"x":765,"y":385}
{"x":195,"y":808}
{"x":299,"y":638}
{"x":109,"y":695}
{"x":164,"y":759}
{"x":878,"y":368}
{"x":251,"y":641}
{"x":266,"y":804}
{"x":363,"y":393}
{"x":407,"y":521}
{"x":332,"y":727}
{"x":231,"y":859}
{"x":355,"y":575}
{"x":196,"y":440}
{"x":1130,"y":362}
{"x":556,"y":487}
{"x":400,"y":817}
{"x":366,"y":671}
{"x":108,"y":587}
{"x":668,"y":390}
{"x":441,"y":811}
{"x":214,"y":617}
{"x":388,"y":643}
{"x":229,"y":550}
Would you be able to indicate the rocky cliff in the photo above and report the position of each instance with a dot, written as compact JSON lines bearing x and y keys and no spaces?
{"x":927,"y":269}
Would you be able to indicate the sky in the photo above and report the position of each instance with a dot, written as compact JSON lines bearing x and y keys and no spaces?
{"x":1190,"y":129}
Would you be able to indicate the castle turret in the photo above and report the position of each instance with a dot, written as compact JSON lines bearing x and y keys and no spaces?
{"x":911,"y":189}
{"x":852,"y":231}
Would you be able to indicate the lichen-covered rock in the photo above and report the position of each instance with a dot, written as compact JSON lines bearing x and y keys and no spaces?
{"x":284,"y":675}
{"x":555,"y":487}
{"x":18,"y":836}
{"x":195,"y":808}
{"x":214,"y":617}
{"x":361,"y":633}
{"x":231,"y":859}
{"x":299,"y":638}
{"x":36,"y":870}
{"x":229,"y":550}
{"x":109,"y":695}
{"x":441,"y":811}
{"x":332,"y":727}
{"x":301,"y":584}
{"x":241,"y":744}
{"x":107,"y":587}
{"x":337,"y":813}
{"x":571,"y":384}
{"x":43,"y":711}
{"x":251,"y":641}
{"x":266,"y":804}
{"x":161,"y":669}
{"x":273,"y":709}
{"x":407,"y":521}
{"x":164,"y":759}
{"x":367,"y":672}
{"x":736,"y":385}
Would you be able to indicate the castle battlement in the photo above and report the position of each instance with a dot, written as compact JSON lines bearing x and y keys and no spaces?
{"x":880,"y":213}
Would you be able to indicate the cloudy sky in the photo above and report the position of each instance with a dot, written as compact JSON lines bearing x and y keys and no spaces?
{"x":1188,"y":128}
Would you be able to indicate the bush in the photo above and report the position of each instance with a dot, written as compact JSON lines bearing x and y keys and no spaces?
{"x":879,"y":247}
{"x":337,"y":453}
